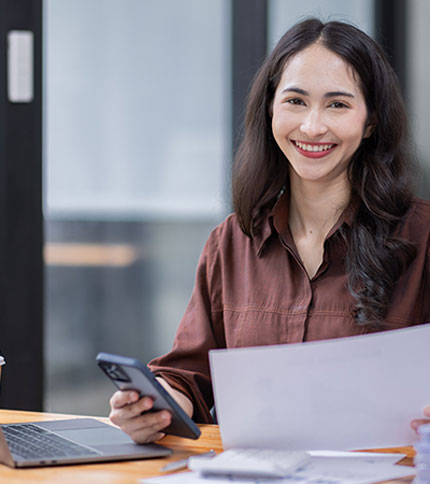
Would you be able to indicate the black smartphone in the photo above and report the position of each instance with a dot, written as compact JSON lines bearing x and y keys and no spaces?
{"x":131,"y":374}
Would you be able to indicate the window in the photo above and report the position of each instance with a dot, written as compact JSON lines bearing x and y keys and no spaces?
{"x":137,"y":143}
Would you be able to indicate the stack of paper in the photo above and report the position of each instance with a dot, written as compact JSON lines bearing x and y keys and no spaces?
{"x":326,"y":467}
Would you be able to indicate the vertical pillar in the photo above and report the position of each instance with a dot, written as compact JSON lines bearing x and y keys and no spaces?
{"x":21,"y":226}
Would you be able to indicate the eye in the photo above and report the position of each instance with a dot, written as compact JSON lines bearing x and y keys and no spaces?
{"x":338,"y":105}
{"x":295,"y":101}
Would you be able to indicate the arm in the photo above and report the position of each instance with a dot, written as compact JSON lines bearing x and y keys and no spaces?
{"x":184,"y":371}
{"x":421,"y":421}
{"x":186,"y":366}
{"x":182,"y":400}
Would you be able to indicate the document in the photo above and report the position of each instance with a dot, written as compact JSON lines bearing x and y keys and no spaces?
{"x":342,"y":394}
{"x":341,"y":468}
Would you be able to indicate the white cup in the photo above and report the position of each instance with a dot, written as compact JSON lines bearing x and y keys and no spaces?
{"x":2,"y":362}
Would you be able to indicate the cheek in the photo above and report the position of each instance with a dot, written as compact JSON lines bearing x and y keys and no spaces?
{"x":279,"y":136}
{"x":275,"y":128}
{"x":355,"y":138}
{"x":351,"y":131}
{"x":281,"y":126}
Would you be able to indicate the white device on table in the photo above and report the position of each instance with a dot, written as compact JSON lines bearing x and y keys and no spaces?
{"x":252,"y":463}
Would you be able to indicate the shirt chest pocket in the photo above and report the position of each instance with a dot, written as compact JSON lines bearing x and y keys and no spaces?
{"x":253,"y":326}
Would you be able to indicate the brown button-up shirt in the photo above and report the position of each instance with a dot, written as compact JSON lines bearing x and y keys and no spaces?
{"x":251,"y":292}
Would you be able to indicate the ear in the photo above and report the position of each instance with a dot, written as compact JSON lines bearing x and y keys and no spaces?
{"x":368,"y":131}
{"x":370,"y":126}
{"x":271,"y":109}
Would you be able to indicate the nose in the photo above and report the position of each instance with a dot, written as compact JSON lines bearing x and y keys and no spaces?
{"x":313,"y":124}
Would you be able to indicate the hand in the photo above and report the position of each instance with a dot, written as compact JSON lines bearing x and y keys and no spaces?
{"x":131,"y":415}
{"x":421,"y":421}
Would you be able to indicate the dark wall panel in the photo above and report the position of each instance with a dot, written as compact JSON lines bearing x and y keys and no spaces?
{"x":21,"y":281}
{"x":249,"y":45}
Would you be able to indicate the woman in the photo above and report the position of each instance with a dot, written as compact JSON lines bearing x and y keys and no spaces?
{"x":326,"y":240}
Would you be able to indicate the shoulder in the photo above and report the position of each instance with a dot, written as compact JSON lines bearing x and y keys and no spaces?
{"x":228,"y":232}
{"x":228,"y":242}
{"x":415,"y":226}
{"x":420,"y":207}
{"x":418,"y":215}
{"x":225,"y":249}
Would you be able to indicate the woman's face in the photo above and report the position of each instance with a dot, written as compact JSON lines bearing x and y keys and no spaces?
{"x":319,"y":115}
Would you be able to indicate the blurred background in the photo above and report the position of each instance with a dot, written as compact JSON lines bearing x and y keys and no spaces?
{"x":136,"y":114}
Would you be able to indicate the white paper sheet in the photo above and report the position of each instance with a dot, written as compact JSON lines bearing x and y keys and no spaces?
{"x":348,"y":393}
{"x":321,"y":470}
{"x":379,"y":457}
{"x":341,"y":470}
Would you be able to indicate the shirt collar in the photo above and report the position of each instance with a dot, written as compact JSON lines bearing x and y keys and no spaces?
{"x":274,"y":222}
{"x":277,"y":221}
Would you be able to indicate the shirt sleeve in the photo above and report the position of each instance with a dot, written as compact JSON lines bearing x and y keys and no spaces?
{"x":426,"y":290}
{"x":186,"y":366}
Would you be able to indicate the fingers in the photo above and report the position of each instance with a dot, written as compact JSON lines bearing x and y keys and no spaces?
{"x":419,"y":421}
{"x":127,"y":404}
{"x":131,"y":415}
{"x":120,"y":399}
{"x":148,"y":427}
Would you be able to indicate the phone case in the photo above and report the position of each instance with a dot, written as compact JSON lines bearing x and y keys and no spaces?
{"x":131,"y":374}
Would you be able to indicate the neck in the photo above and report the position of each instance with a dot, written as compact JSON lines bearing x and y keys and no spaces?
{"x":315,"y":207}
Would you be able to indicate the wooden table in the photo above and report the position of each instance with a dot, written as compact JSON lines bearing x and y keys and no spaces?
{"x":126,"y":472}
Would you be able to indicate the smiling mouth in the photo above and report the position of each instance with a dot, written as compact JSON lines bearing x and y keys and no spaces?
{"x":314,"y":147}
{"x":314,"y":150}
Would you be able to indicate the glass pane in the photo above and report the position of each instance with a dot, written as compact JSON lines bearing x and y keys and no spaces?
{"x":136,"y":142}
{"x":418,"y":82}
{"x":284,"y":13}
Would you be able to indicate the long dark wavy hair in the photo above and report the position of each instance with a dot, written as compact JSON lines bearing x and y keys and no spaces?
{"x":379,"y":171}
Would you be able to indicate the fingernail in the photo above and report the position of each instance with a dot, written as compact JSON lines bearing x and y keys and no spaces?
{"x":165,"y":415}
{"x":427,"y":410}
{"x":133,"y":397}
{"x":146,"y":404}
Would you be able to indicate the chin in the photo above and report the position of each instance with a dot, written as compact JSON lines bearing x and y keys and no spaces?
{"x":317,"y":174}
{"x":305,"y":175}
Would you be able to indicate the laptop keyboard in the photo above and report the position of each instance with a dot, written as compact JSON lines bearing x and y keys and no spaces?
{"x":32,"y":442}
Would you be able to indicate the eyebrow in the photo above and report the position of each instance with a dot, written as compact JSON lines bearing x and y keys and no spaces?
{"x":326,"y":95}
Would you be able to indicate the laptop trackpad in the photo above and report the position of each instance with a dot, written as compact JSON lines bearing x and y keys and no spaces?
{"x":96,"y":436}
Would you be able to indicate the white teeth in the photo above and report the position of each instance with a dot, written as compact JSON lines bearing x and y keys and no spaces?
{"x":313,"y":148}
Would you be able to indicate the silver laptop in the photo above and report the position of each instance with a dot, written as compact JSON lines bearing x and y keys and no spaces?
{"x":73,"y":441}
